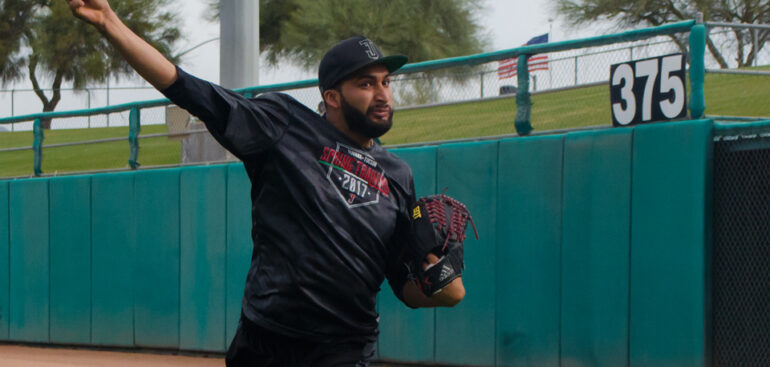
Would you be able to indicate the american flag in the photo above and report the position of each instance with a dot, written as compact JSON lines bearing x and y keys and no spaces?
{"x":507,"y":68}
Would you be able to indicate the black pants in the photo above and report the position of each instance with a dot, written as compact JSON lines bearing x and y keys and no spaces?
{"x":254,"y":346}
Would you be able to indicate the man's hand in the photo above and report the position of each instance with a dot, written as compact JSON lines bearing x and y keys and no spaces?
{"x":146,"y":60}
{"x":91,"y":11}
{"x":448,"y":296}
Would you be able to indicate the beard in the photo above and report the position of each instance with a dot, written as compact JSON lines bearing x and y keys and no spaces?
{"x":361,"y":123}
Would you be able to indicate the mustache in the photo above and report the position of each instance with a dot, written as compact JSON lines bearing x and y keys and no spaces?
{"x":372,"y":108}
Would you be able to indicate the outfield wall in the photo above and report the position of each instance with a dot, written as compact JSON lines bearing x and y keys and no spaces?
{"x":592,"y":252}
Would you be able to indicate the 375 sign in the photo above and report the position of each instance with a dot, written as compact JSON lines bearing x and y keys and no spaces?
{"x":648,"y":90}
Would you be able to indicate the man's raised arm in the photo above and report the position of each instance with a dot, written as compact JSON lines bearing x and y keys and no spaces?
{"x":241,"y":126}
{"x":145,"y":59}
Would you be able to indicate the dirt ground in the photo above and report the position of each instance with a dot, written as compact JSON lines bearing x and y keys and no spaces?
{"x":32,"y":356}
{"x":25,"y":356}
{"x":56,"y":356}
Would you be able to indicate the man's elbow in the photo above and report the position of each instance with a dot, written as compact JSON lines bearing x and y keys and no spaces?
{"x":458,"y":296}
{"x":453,"y":293}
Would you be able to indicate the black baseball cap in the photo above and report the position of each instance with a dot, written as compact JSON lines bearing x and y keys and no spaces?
{"x":351,"y":55}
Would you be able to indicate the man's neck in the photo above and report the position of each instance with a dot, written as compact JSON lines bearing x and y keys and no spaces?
{"x":342,"y":126}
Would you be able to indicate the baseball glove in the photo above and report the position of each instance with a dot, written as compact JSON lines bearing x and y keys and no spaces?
{"x":438,"y":227}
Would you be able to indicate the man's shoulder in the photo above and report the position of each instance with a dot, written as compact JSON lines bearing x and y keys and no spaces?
{"x":275,"y":96}
{"x":284,"y":100}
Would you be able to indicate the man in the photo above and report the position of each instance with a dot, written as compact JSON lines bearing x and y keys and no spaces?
{"x":330,"y":207}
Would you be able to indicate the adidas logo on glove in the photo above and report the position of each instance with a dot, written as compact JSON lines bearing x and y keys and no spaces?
{"x":446,"y":272}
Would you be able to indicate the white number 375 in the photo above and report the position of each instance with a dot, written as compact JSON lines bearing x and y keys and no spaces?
{"x":648,"y":90}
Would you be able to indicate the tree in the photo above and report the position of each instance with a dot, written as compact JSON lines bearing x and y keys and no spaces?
{"x":627,"y":13}
{"x":42,"y":36}
{"x":14,"y":17}
{"x":303,"y":30}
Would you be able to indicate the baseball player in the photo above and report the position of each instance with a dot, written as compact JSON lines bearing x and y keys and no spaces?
{"x":331,"y":209}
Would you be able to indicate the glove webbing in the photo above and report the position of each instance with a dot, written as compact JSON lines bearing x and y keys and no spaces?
{"x":457,"y":219}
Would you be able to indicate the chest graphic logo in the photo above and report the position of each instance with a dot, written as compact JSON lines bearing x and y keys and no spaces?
{"x":355,"y":175}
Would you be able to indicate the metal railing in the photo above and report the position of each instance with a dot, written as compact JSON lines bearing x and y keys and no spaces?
{"x":93,"y":95}
{"x":102,"y":96}
{"x":522,"y":119}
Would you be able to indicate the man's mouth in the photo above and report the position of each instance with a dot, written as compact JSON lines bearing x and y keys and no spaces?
{"x":381,"y":113}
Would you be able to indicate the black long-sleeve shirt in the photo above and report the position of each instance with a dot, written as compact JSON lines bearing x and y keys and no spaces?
{"x":328,"y":217}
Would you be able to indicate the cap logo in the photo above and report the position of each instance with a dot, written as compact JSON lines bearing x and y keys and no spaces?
{"x":370,"y":49}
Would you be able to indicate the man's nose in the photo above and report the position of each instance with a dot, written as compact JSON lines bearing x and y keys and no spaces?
{"x":381,"y":93}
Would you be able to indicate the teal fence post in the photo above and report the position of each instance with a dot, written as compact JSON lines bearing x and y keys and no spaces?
{"x":523,"y":101}
{"x":134,"y":126}
{"x":37,"y":146}
{"x":697,"y":70}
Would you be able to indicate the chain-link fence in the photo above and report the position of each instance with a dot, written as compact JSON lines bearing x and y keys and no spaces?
{"x":573,"y":68}
{"x":446,"y":99}
{"x":738,"y":72}
{"x":568,"y":69}
{"x":19,"y":102}
{"x":569,"y":91}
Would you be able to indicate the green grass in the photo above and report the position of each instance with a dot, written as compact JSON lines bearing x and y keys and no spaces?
{"x":738,"y":95}
{"x":725,"y":95}
{"x":566,"y":109}
{"x":153,"y":151}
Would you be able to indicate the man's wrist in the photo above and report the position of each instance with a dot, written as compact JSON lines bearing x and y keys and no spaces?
{"x":109,"y":21}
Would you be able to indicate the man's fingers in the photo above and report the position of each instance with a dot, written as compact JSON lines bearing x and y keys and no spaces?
{"x":75,"y":4}
{"x":86,"y":10}
{"x":429,"y":260}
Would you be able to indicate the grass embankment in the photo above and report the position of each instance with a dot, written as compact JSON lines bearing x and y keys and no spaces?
{"x":725,"y":95}
{"x":153,"y":151}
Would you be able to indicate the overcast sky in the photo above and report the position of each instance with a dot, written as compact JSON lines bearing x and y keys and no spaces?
{"x":509,"y":23}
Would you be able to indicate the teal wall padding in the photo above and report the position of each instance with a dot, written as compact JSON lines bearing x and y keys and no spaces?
{"x":669,"y":234}
{"x":697,"y":70}
{"x":202,"y":258}
{"x":523,"y":98}
{"x":592,"y":252}
{"x":134,"y":128}
{"x":37,"y":146}
{"x":29,"y":301}
{"x":596,"y":222}
{"x":528,"y":251}
{"x":4,"y":264}
{"x":113,"y":231}
{"x":239,"y":244}
{"x":465,"y":334}
{"x":408,"y":334}
{"x":70,"y":257}
{"x":156,"y":309}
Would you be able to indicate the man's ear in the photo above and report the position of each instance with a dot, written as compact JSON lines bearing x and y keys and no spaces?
{"x":332,"y":98}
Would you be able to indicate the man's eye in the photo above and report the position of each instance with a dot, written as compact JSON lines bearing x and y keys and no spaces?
{"x":366,"y":84}
{"x":386,"y":83}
